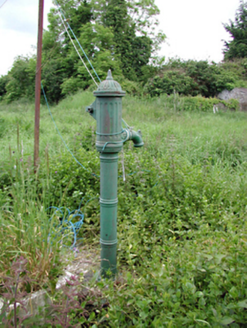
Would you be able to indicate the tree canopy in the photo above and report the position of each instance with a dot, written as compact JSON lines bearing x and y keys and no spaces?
{"x":115,"y":34}
{"x":237,"y":47}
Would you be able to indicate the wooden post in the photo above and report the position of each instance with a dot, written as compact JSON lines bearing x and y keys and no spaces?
{"x":38,"y":84}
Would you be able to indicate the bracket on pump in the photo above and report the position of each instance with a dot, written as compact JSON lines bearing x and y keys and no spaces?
{"x":92,"y":109}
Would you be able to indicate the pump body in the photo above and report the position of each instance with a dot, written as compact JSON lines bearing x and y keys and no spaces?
{"x":110,"y":136}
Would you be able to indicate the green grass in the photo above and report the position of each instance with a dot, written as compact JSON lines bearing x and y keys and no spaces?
{"x":181,"y":217}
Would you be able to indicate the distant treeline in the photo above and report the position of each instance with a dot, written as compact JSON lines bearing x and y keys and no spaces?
{"x":119,"y":35}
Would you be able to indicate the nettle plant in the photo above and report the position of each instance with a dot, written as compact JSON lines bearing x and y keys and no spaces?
{"x":71,"y":306}
{"x":181,"y":221}
{"x":14,"y":289}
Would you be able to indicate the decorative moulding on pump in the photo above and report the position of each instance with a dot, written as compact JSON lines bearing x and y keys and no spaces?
{"x":109,"y":87}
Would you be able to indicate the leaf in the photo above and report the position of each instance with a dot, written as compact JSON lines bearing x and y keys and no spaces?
{"x":92,"y":316}
{"x":226,"y":321}
{"x":231,"y":306}
{"x":242,"y":304}
{"x":203,"y":321}
{"x":219,"y":257}
{"x":209,"y":257}
{"x":214,"y":312}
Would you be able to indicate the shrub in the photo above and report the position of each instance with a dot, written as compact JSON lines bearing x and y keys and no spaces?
{"x":193,"y":78}
{"x":173,"y":81}
{"x":206,"y":104}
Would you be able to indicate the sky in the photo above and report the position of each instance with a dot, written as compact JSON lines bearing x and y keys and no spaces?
{"x":194,"y":28}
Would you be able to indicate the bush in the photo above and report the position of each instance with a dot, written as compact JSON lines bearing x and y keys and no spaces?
{"x":193,"y":78}
{"x":207,"y":104}
{"x":3,"y":83}
{"x":181,"y":211}
{"x":172,"y":81}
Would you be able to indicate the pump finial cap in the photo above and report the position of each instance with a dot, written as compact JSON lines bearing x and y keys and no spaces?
{"x":109,"y":88}
{"x":109,"y":75}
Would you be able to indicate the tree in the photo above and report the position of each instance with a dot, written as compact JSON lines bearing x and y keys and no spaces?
{"x":3,"y":83}
{"x":97,"y":42}
{"x":115,"y":17}
{"x":141,"y":13}
{"x":115,"y":34}
{"x":133,"y":24}
{"x":21,"y":79}
{"x":237,"y":47}
{"x":57,"y":63}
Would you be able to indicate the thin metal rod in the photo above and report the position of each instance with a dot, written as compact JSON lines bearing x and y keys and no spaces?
{"x":38,"y":84}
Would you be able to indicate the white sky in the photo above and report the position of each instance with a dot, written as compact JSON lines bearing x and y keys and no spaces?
{"x":193,"y":28}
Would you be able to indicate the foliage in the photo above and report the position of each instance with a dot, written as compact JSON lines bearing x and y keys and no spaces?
{"x":68,"y":307}
{"x":142,"y":15}
{"x":109,"y":32}
{"x":192,"y":78}
{"x":24,"y":219}
{"x":3,"y":83}
{"x":237,"y":68}
{"x":21,"y":79}
{"x":59,"y":73}
{"x":134,"y":51}
{"x":198,"y":103}
{"x":207,"y":104}
{"x":181,"y":212}
{"x":210,"y":78}
{"x":12,"y":294}
{"x":170,"y":82}
{"x":130,"y":87}
{"x":237,"y":47}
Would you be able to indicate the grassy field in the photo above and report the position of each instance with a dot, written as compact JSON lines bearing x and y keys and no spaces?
{"x":182,"y":227}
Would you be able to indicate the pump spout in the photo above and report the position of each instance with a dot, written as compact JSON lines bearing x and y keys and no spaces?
{"x":136,"y":137}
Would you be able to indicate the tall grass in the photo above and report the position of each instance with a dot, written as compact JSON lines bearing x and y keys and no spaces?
{"x":181,"y":214}
{"x":25,"y":227}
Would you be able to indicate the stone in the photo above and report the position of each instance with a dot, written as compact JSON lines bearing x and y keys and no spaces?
{"x":85,"y":265}
{"x":238,"y":93}
{"x":221,"y":107}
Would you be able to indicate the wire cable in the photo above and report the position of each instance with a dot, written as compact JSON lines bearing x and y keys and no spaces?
{"x":126,"y":125}
{"x":3,"y":4}
{"x":77,"y":40}
{"x":76,"y":49}
{"x":65,"y":20}
{"x":66,"y":222}
{"x":47,"y":104}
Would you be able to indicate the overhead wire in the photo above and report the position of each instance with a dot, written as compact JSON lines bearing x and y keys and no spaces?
{"x":66,"y":222}
{"x":63,"y":20}
{"x":76,"y":48}
{"x":3,"y":4}
{"x":47,"y":104}
{"x":61,"y":14}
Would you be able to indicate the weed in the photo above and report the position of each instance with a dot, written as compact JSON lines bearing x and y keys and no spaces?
{"x":181,"y":212}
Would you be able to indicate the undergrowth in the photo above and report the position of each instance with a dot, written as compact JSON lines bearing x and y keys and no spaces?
{"x":182,"y":231}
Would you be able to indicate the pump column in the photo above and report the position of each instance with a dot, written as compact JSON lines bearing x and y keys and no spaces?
{"x":109,"y":142}
{"x":108,"y":212}
{"x":107,"y":110}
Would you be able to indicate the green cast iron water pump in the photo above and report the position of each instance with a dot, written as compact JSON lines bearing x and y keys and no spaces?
{"x":110,"y":136}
